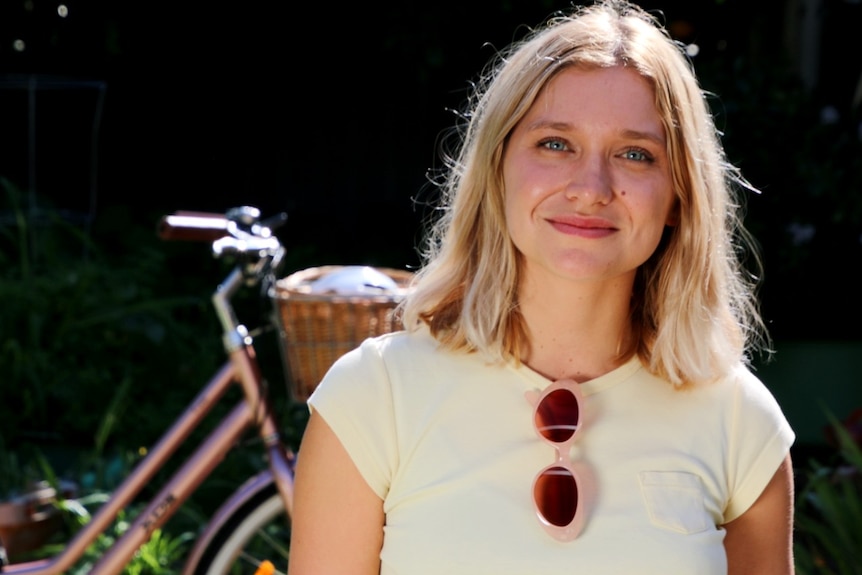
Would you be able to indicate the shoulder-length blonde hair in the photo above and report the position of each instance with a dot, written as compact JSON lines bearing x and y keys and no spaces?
{"x":694,"y":309}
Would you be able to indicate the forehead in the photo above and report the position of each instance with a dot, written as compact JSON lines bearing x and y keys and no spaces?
{"x":617,"y":93}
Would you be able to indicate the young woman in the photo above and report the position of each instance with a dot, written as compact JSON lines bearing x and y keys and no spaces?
{"x":571,"y":392}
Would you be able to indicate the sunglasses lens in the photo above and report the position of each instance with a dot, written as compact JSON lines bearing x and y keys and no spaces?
{"x":557,"y":415}
{"x":556,"y":495}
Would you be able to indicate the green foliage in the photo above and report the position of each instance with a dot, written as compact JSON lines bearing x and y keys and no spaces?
{"x":95,"y":475}
{"x":162,"y":554}
{"x":828,"y":539}
{"x":79,"y":323}
{"x":102,"y":354}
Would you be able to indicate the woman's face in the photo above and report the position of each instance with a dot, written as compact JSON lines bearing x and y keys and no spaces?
{"x":587,"y":178}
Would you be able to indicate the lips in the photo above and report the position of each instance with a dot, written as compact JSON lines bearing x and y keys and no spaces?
{"x":582,"y":226}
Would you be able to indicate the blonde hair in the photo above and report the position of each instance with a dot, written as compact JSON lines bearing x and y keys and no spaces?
{"x":694,"y":312}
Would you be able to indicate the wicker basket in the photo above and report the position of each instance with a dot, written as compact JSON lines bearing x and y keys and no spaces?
{"x":318,"y":328}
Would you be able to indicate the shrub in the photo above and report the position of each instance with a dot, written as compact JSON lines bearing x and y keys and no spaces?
{"x":828,"y":539}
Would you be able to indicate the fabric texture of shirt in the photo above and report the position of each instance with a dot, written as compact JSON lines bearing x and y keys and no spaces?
{"x":448,"y":443}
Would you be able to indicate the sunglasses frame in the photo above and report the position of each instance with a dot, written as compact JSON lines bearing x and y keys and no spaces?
{"x":563,"y":460}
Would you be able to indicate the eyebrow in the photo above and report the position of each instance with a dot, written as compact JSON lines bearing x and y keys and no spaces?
{"x":649,"y":136}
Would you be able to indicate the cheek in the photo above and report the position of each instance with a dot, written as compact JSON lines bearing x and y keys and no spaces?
{"x":656,"y":213}
{"x":525,"y":191}
{"x":660,"y":203}
{"x":515,"y":196}
{"x":512,"y":212}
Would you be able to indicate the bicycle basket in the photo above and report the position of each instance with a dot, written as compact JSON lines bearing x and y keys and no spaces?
{"x":319,"y":327}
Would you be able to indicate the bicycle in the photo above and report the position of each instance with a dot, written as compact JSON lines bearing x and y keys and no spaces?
{"x":250,"y":532}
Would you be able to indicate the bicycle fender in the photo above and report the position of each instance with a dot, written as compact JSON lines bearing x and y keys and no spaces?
{"x":247,"y":491}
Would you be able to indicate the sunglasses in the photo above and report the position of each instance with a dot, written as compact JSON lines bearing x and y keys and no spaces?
{"x":556,"y":489}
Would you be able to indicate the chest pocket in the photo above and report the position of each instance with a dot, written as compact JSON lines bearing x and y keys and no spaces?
{"x":674,"y":500}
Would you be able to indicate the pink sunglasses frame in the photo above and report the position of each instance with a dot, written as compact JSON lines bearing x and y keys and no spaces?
{"x":563,"y":460}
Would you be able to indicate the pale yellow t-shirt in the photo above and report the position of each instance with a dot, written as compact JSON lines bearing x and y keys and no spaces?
{"x":447,"y":441}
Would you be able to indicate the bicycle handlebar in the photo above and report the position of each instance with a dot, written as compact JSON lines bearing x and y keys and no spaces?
{"x":238,"y":231}
{"x":193,"y":226}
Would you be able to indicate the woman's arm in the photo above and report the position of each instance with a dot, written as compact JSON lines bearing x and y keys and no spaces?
{"x":338,"y":520}
{"x":760,"y":541}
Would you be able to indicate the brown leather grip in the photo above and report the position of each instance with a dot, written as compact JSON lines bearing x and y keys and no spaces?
{"x":192,"y":227}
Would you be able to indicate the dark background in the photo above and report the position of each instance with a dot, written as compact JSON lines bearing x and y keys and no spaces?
{"x":330,"y":111}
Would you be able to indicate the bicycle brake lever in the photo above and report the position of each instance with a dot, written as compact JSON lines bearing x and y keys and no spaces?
{"x":244,"y":215}
{"x":274,"y":222}
{"x":250,"y":244}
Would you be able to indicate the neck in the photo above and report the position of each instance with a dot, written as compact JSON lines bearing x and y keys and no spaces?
{"x":577,"y":330}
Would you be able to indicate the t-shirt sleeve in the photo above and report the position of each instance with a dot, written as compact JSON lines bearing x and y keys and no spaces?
{"x":761,"y":439}
{"x":355,"y":400}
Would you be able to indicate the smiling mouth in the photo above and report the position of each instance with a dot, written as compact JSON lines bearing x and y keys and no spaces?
{"x":584,"y":227}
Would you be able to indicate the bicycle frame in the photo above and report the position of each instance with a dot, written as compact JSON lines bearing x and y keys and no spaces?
{"x":253,"y":410}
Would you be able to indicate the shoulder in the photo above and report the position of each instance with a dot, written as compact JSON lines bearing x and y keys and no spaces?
{"x":759,"y":441}
{"x":744,"y":398}
{"x":392,"y":349}
{"x":739,"y":401}
{"x":384,"y":362}
{"x":408,"y":370}
{"x":749,"y":391}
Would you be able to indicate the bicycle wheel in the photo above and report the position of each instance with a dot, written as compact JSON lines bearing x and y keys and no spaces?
{"x":258,"y":532}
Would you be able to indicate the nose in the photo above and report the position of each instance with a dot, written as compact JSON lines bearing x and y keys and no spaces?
{"x":590,"y":181}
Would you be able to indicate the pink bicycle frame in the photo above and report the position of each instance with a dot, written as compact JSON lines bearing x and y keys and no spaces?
{"x":252,"y":411}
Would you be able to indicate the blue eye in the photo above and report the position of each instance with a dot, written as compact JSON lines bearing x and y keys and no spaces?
{"x":554,"y":144}
{"x":638,"y":155}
